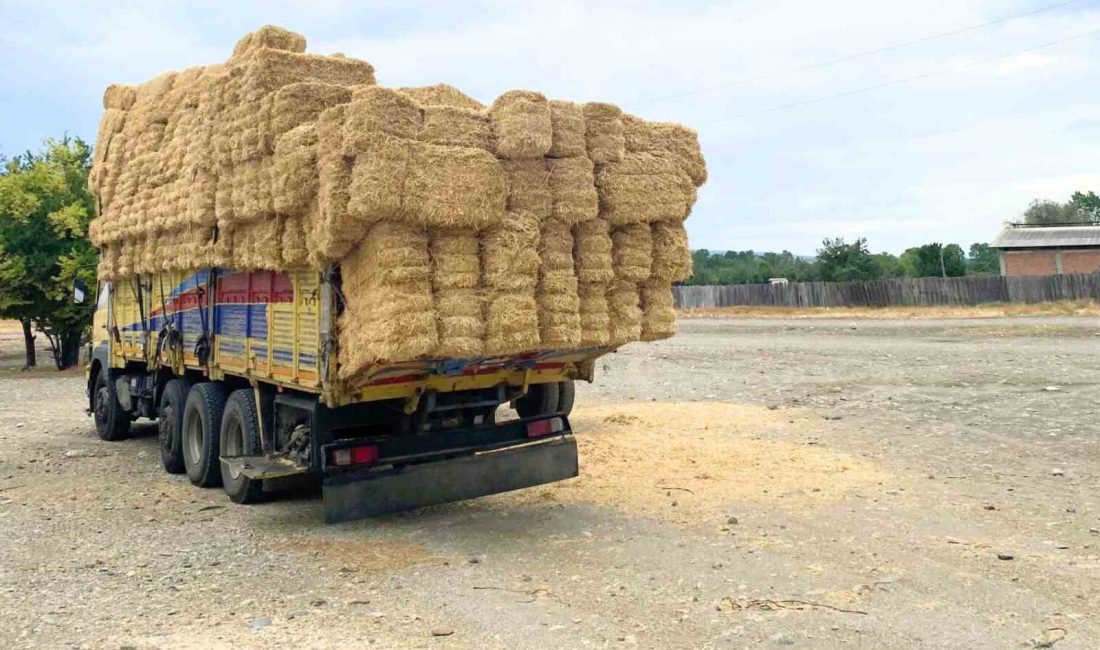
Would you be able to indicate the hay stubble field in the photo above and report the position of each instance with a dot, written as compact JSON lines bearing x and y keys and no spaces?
{"x":773,"y":482}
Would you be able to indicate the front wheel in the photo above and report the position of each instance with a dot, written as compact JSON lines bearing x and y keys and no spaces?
{"x":111,"y":422}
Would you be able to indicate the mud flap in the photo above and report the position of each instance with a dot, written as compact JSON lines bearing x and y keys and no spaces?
{"x":355,"y":496}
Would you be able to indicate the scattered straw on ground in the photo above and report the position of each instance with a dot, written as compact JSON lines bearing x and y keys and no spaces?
{"x":360,"y":555}
{"x":995,"y":310}
{"x":690,"y":461}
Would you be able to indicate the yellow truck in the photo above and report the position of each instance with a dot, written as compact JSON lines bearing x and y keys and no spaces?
{"x":239,"y":369}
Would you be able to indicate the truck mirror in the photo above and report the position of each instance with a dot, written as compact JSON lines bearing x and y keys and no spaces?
{"x":80,"y":290}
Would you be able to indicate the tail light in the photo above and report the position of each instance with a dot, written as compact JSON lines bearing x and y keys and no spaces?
{"x":354,"y":455}
{"x":546,"y":427}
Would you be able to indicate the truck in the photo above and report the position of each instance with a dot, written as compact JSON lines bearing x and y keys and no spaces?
{"x":239,"y":371}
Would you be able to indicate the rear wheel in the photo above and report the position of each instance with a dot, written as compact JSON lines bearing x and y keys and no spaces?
{"x":111,"y":422}
{"x":566,"y":393}
{"x":202,"y":418}
{"x":170,"y":425}
{"x":240,"y":436}
{"x":541,"y":399}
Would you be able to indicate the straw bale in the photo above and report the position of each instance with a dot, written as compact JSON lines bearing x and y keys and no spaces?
{"x":391,"y":253}
{"x":555,"y":247}
{"x":632,"y":252}
{"x":267,"y":70}
{"x":592,"y":251}
{"x":376,"y":111}
{"x":509,"y":254}
{"x":295,"y":173}
{"x":521,"y":125}
{"x":293,"y":245}
{"x":595,"y":321}
{"x":442,"y":95}
{"x":398,"y":325}
{"x":658,"y":310}
{"x":252,"y":186}
{"x":378,"y":179}
{"x":567,"y":126}
{"x":459,"y":323}
{"x":454,"y":187}
{"x":625,"y":313}
{"x":603,"y":132}
{"x":511,"y":323}
{"x":573,"y":190}
{"x":456,"y":127}
{"x":119,"y":96}
{"x":675,"y":140}
{"x":302,"y":102}
{"x":671,"y":252}
{"x":272,"y":37}
{"x":334,"y":232}
{"x":455,"y":261}
{"x":643,"y":187}
{"x":528,"y":187}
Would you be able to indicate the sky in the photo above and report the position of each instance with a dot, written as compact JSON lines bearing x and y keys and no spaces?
{"x":942,"y":140}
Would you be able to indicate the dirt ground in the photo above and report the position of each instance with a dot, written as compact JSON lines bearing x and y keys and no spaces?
{"x":804,"y":483}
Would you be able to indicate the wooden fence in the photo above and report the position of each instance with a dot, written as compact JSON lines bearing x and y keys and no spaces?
{"x":973,"y":290}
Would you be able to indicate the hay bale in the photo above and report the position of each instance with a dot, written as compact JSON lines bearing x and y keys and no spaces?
{"x":667,"y":138}
{"x":671,"y":252}
{"x":603,"y":132}
{"x":528,"y":187}
{"x":119,"y":96}
{"x":294,"y":183}
{"x":455,"y":260}
{"x":625,"y":313}
{"x":391,"y":253}
{"x":378,"y":179}
{"x":567,"y":126}
{"x":632,"y":252}
{"x":452,"y":187}
{"x":293,"y":248}
{"x":592,"y":251}
{"x":376,"y":111}
{"x":557,"y":300}
{"x":658,"y":310}
{"x":442,"y":95}
{"x":456,"y":272}
{"x":643,"y":187}
{"x":573,"y":190}
{"x":509,"y":254}
{"x":272,"y":37}
{"x":334,"y":232}
{"x":521,"y":125}
{"x":299,"y":103}
{"x":511,"y":323}
{"x":456,"y":127}
{"x":266,"y":70}
{"x":595,"y":321}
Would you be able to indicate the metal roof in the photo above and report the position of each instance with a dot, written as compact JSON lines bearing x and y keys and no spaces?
{"x":1048,"y":237}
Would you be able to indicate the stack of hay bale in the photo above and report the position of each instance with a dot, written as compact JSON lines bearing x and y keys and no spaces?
{"x":460,"y":230}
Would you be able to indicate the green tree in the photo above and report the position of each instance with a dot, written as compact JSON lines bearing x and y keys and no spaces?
{"x":1084,"y":207}
{"x":983,"y":260}
{"x":937,"y":260}
{"x":1044,"y":212}
{"x":45,"y":207}
{"x":839,"y":261}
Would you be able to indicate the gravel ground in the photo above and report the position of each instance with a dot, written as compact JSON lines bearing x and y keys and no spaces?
{"x":748,"y":483}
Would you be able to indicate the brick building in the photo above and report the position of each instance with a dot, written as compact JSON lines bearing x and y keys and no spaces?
{"x":1049,"y":250}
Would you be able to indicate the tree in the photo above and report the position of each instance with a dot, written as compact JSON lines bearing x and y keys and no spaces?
{"x":1044,"y":212}
{"x":839,"y":261}
{"x":45,"y":208}
{"x":1085,"y":207}
{"x":937,"y":260}
{"x":983,"y":260}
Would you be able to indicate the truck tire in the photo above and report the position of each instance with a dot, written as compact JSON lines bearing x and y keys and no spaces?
{"x":111,"y":422}
{"x":541,"y":399}
{"x":202,"y":419}
{"x":240,"y":436}
{"x":170,"y":425}
{"x":566,"y":393}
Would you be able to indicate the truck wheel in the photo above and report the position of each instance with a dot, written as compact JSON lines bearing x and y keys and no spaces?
{"x":170,"y":425}
{"x":566,"y":393}
{"x":202,"y":418}
{"x":541,"y":399}
{"x":111,"y":422}
{"x":240,"y":436}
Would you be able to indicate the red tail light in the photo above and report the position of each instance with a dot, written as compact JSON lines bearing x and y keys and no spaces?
{"x":544,"y":427}
{"x":354,"y":455}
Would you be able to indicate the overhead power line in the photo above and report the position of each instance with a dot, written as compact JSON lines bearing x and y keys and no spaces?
{"x":856,"y":55}
{"x":894,"y":82}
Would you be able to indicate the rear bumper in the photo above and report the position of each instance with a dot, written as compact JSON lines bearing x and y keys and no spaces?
{"x":369,"y":493}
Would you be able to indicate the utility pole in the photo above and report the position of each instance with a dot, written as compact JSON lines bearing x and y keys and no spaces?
{"x":943,"y":270}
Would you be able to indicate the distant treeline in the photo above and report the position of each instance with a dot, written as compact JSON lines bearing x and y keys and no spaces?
{"x":840,"y":261}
